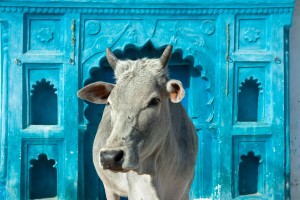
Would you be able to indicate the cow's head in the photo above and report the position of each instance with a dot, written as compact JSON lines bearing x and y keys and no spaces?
{"x":139,"y":105}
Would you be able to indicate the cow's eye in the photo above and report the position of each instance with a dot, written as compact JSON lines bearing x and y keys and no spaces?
{"x":154,"y":102}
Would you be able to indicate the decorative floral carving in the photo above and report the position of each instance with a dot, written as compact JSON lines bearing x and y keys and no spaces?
{"x":110,"y":39}
{"x":208,"y":27}
{"x":175,"y":32}
{"x":186,"y":34}
{"x":251,"y":35}
{"x":132,"y":33}
{"x":45,"y":34}
{"x":92,"y":27}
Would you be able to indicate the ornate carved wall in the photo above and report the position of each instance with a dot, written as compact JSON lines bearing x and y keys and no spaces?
{"x":232,"y":59}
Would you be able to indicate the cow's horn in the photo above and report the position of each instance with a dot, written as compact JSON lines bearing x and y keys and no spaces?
{"x":111,"y":58}
{"x":165,"y":57}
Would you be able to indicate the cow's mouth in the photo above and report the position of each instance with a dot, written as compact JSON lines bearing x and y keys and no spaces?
{"x":115,"y":168}
{"x":119,"y":170}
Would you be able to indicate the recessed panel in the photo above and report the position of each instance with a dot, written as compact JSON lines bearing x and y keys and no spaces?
{"x":43,"y":94}
{"x":42,"y":168}
{"x":252,"y":34}
{"x":251,"y":92}
{"x":43,"y":34}
{"x":250,"y":163}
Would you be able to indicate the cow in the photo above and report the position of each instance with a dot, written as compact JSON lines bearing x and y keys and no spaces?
{"x":146,"y":145}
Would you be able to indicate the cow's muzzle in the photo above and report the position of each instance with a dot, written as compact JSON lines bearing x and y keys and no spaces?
{"x":112,"y":159}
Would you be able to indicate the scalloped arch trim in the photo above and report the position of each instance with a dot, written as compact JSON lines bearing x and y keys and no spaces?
{"x":251,"y":79}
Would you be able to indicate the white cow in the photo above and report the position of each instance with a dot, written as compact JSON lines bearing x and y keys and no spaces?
{"x":146,"y":145}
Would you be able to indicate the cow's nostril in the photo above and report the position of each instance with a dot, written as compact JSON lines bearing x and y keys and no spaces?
{"x":119,"y":156}
{"x":112,"y":159}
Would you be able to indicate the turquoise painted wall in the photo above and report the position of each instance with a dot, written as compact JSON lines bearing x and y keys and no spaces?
{"x":232,"y":58}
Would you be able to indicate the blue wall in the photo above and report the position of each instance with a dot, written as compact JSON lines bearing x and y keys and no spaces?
{"x":231,"y":57}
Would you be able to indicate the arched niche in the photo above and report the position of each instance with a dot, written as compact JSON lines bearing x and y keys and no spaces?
{"x":249,"y":106}
{"x":42,"y":178}
{"x":183,"y":69}
{"x":248,"y":174}
{"x":43,"y":104}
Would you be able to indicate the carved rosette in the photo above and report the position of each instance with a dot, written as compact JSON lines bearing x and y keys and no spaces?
{"x":45,"y":34}
{"x":92,"y":27}
{"x":208,"y":27}
{"x":251,"y":35}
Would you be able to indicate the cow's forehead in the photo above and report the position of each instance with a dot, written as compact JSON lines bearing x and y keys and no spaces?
{"x":136,"y":89}
{"x":139,"y":68}
{"x":138,"y":85}
{"x":137,"y":80}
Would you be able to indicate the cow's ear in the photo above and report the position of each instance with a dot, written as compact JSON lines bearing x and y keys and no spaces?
{"x":97,"y":92}
{"x":175,"y":90}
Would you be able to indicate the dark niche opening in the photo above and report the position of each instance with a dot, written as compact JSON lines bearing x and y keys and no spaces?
{"x":248,"y":174}
{"x":44,"y":108}
{"x":42,"y":178}
{"x":248,"y":100}
{"x":179,"y":68}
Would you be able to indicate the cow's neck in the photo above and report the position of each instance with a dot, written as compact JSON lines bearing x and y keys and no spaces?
{"x":157,"y":169}
{"x":165,"y":164}
{"x":171,"y":162}
{"x":152,"y":164}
